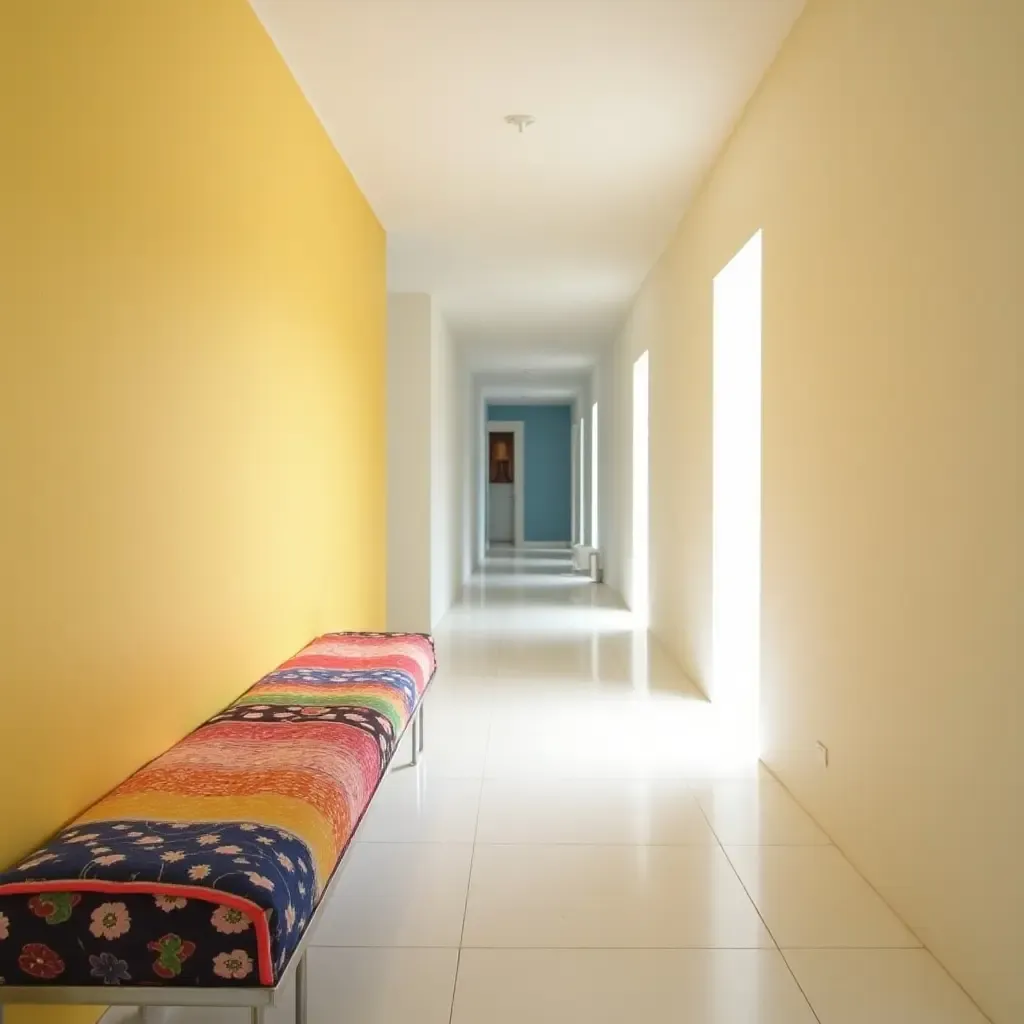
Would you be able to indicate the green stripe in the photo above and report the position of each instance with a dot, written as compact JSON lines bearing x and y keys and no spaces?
{"x":387,"y":707}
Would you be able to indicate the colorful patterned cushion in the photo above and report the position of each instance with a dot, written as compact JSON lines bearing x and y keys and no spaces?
{"x":205,"y":867}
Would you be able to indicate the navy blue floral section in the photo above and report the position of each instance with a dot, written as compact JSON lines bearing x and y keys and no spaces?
{"x":92,"y":938}
{"x":66,"y":936}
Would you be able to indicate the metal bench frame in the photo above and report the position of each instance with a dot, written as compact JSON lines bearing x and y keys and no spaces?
{"x":256,"y":999}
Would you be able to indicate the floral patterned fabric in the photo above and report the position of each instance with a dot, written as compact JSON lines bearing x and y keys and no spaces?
{"x":205,"y":867}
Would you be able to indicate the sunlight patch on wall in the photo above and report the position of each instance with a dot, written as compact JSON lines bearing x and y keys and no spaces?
{"x":594,"y":535}
{"x":583,"y":481}
{"x":736,"y":491}
{"x":641,"y":491}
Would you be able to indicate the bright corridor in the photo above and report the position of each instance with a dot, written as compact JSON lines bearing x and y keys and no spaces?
{"x":580,"y":844}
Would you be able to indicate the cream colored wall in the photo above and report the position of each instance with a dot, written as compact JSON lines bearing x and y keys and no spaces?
{"x":604,"y":390}
{"x":680,"y":464}
{"x":427,"y":435}
{"x":619,"y":550}
{"x":449,"y":432}
{"x":645,"y":329}
{"x":192,"y":407}
{"x":883,"y":157}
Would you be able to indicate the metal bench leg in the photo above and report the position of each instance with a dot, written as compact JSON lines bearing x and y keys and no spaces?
{"x":256,"y":1015}
{"x":420,"y":716}
{"x":416,"y":745}
{"x":301,"y":992}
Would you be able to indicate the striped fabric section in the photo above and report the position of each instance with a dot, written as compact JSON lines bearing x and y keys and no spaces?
{"x":205,"y":866}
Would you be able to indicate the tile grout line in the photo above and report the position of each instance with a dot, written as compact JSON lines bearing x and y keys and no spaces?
{"x":757,"y":909}
{"x":472,"y":859}
{"x":455,"y":982}
{"x":842,"y":853}
{"x":833,"y":845}
{"x":789,"y":966}
{"x":899,"y":917}
{"x":505,"y":697}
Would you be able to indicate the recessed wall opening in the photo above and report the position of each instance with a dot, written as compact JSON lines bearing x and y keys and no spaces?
{"x":736,"y":492}
{"x":582,"y":488}
{"x":594,"y":534}
{"x":641,"y":492}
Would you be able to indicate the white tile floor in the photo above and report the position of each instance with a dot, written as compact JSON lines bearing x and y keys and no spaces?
{"x":584,"y":841}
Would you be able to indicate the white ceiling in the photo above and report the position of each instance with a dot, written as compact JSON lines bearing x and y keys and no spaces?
{"x":539,"y":239}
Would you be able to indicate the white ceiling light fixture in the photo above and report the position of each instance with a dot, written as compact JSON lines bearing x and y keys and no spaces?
{"x":520,"y":121}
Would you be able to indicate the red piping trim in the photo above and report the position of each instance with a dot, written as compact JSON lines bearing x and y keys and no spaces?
{"x":256,"y":913}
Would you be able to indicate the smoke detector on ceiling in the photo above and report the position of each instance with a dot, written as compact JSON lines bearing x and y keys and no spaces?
{"x":520,"y":121}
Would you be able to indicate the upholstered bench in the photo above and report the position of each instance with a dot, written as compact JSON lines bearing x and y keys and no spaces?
{"x":198,"y":880}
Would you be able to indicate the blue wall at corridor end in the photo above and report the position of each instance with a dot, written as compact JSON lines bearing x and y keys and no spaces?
{"x":548,"y":470}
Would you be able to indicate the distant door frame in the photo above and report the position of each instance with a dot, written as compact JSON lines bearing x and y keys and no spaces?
{"x":518,"y":429}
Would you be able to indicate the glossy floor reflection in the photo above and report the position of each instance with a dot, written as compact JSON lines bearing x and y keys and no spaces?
{"x":585,"y":840}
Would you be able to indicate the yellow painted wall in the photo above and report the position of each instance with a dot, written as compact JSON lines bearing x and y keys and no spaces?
{"x":193,"y":332}
{"x":883,"y":157}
